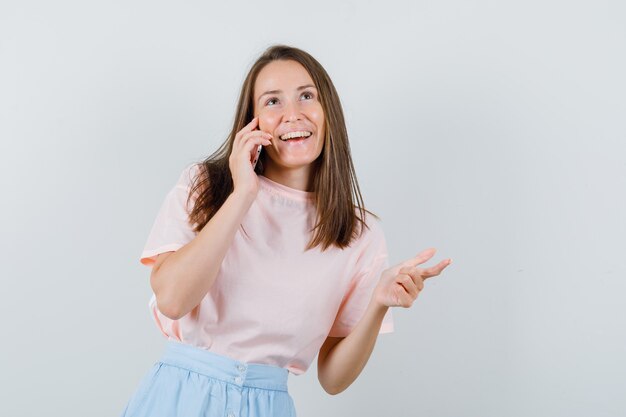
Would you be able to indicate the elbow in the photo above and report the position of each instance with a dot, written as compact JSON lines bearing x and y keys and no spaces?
{"x":332,"y":390}
{"x":169,"y":310}
{"x":329,"y":388}
{"x":164,"y":303}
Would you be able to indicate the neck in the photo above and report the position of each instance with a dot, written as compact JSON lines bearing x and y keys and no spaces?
{"x":299,"y":178}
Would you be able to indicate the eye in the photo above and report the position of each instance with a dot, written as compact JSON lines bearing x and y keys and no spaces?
{"x":308,"y":93}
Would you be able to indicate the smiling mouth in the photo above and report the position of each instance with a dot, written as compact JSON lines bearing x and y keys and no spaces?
{"x":296,"y":136}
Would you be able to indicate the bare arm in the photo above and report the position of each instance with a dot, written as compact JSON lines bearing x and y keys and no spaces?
{"x":341,"y":359}
{"x":181,"y":279}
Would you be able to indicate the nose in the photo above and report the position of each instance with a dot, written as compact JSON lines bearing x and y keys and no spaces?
{"x":292,"y":112}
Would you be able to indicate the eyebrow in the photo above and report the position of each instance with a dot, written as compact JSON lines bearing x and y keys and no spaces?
{"x":302,"y":87}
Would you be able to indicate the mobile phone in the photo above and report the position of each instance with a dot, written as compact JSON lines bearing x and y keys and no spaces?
{"x":256,"y":157}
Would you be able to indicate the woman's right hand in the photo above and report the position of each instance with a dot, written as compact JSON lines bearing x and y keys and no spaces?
{"x":243,"y":153}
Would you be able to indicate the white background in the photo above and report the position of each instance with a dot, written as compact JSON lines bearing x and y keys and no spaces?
{"x":492,"y":131}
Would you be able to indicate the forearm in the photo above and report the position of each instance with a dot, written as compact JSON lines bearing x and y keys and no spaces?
{"x":345,"y":361}
{"x":186,"y":276}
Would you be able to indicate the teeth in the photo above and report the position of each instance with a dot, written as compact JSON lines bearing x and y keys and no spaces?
{"x":298,"y":134}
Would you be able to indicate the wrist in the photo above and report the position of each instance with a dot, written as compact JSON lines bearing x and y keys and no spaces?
{"x":377,"y":305}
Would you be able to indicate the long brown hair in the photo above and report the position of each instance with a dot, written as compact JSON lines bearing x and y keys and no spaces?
{"x":335,"y":183}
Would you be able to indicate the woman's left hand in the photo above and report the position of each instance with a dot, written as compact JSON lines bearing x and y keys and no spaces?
{"x":401,"y":284}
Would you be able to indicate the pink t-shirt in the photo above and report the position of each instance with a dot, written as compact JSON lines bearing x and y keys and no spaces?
{"x":272,"y":302}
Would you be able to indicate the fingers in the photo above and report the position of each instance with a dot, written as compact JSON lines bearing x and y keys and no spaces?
{"x":426,"y":273}
{"x":253,"y":141}
{"x":414,"y":274}
{"x":436,"y":270}
{"x":411,"y":278}
{"x":423,"y":256}
{"x":420,"y":258}
{"x":411,"y":285}
{"x":250,"y":139}
{"x":247,"y":129}
{"x":250,"y":126}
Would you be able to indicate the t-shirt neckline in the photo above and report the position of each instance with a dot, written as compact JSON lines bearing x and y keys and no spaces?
{"x":285,"y":191}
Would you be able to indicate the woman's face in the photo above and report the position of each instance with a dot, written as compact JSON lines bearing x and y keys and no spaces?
{"x":286,"y":100}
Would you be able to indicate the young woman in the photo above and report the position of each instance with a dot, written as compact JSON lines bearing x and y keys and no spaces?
{"x":258,"y":268}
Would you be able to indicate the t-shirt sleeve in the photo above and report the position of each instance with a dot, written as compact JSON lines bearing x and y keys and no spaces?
{"x":370,"y":265}
{"x":171,"y":229}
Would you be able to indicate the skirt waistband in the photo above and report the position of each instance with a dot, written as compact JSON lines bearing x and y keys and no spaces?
{"x":225,"y":368}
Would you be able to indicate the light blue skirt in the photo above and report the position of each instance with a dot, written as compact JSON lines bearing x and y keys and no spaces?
{"x":188,"y":381}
